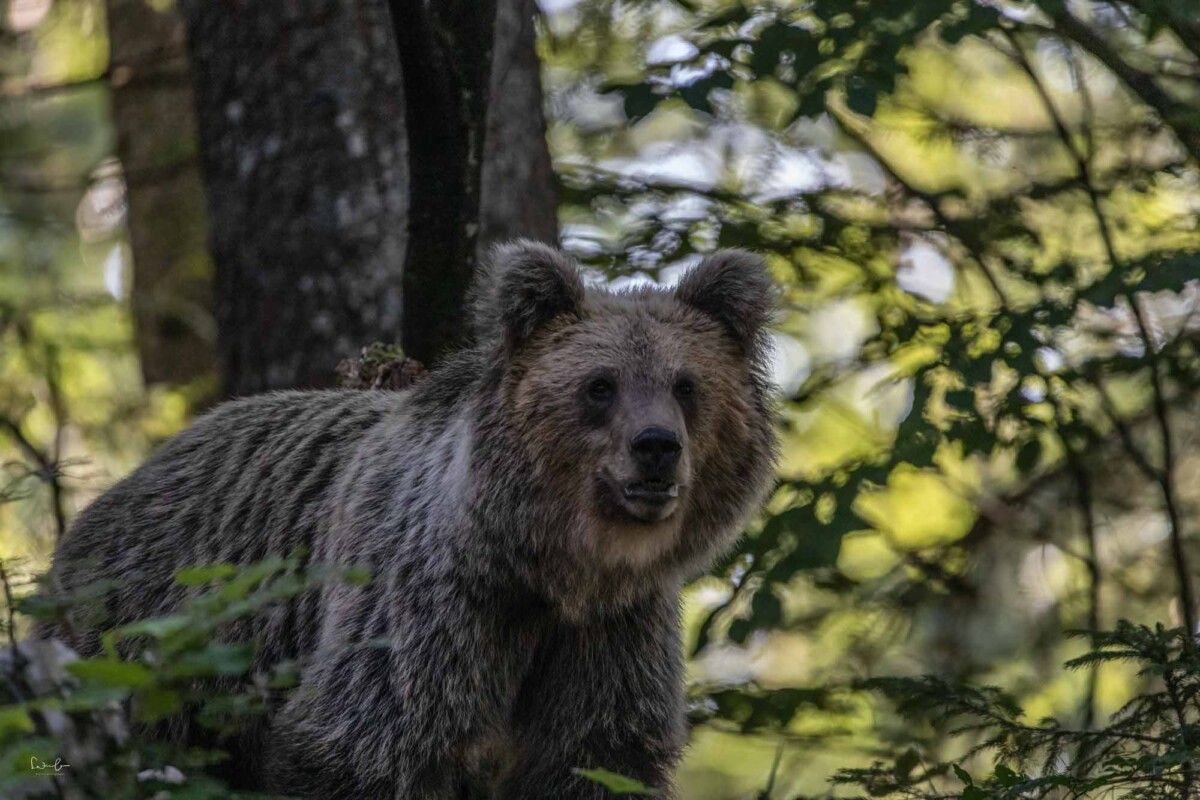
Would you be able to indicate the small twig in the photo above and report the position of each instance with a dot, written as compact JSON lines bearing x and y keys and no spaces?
{"x":1088,"y":517}
{"x":58,"y":408}
{"x":774,"y":774}
{"x":47,"y":470}
{"x":1124,"y":432}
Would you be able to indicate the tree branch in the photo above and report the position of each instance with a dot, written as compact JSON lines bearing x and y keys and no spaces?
{"x":1178,"y":116}
{"x":950,"y":226}
{"x":47,"y":470}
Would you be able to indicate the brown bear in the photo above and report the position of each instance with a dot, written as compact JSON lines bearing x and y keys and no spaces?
{"x":529,"y":512}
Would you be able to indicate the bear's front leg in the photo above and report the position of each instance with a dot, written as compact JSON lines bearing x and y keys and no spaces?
{"x":355,"y":728}
{"x":606,"y":694}
{"x":388,"y":712}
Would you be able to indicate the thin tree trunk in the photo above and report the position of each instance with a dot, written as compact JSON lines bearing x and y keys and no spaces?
{"x":446,"y":58}
{"x":480,"y":167}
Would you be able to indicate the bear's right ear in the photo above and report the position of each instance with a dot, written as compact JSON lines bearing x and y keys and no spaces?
{"x":734,"y":287}
{"x":523,"y":285}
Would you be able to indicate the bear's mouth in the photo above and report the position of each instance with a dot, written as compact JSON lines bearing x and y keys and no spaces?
{"x":648,"y":500}
{"x":660,"y":492}
{"x":643,"y":500}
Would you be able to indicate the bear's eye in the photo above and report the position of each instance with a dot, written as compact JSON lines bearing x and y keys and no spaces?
{"x":601,"y":390}
{"x":685,"y":388}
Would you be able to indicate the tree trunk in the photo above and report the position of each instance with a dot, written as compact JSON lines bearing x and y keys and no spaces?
{"x":303,"y":144}
{"x":168,"y":224}
{"x":519,"y":192}
{"x":358,"y":155}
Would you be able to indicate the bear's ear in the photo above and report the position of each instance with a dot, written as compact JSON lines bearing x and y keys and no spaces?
{"x":524,"y":285}
{"x":735,"y":287}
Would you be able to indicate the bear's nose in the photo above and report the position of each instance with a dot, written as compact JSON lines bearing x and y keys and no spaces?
{"x":656,"y":451}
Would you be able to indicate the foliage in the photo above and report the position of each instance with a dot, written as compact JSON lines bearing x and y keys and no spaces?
{"x":1032,"y":151}
{"x":1147,"y":750}
{"x":114,"y":717}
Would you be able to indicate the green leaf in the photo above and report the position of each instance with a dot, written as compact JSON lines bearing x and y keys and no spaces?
{"x":906,"y":762}
{"x":111,"y":672}
{"x":218,"y":658}
{"x":92,"y":698}
{"x":246,"y":579}
{"x":200,"y":575}
{"x":285,"y":675}
{"x":1005,"y":776}
{"x":357,"y":576}
{"x":755,"y":709}
{"x":617,"y":784}
{"x":14,"y":719}
{"x":157,"y":627}
{"x":155,"y":702}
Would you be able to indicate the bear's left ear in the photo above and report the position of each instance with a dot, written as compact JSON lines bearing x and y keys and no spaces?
{"x":735,"y":287}
{"x":524,"y":285}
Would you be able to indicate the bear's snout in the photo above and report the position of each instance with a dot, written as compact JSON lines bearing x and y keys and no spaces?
{"x":656,"y":453}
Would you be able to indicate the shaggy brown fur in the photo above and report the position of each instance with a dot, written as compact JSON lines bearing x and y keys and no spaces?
{"x":529,"y":510}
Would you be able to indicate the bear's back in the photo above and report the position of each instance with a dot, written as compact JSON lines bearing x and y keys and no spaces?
{"x":255,"y":477}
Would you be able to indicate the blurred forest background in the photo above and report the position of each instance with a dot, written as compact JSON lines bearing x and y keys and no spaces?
{"x":984,"y":214}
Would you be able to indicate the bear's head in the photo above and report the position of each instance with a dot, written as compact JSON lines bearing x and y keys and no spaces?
{"x":644,"y":412}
